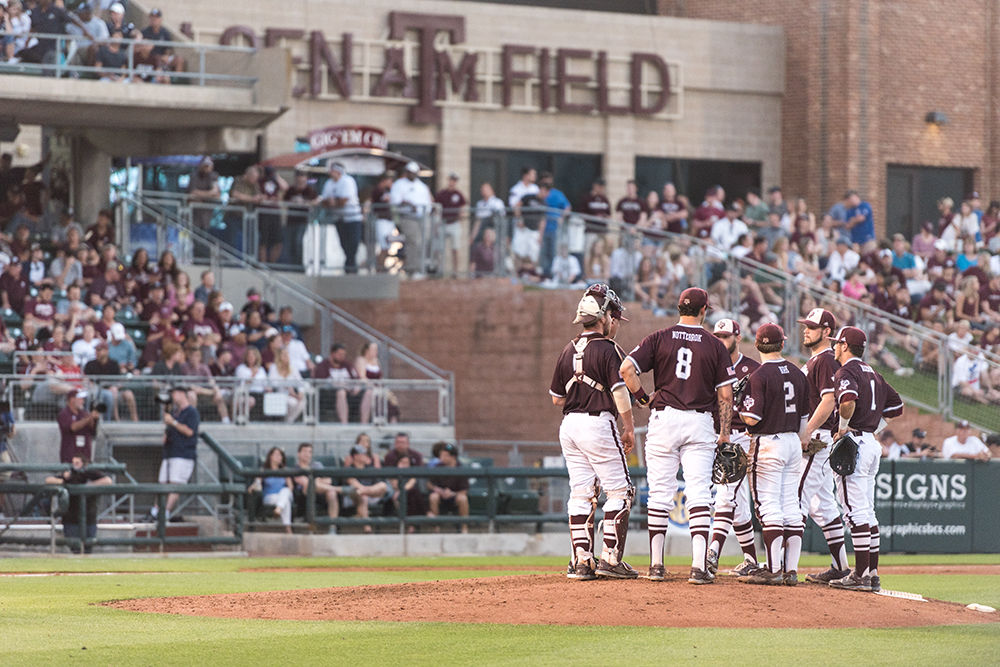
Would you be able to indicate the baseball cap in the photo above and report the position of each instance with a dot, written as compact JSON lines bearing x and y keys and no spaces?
{"x":412,"y":167}
{"x":451,"y":449}
{"x":919,"y":433}
{"x":287,"y":329}
{"x":117,"y":8}
{"x":693,"y":296}
{"x":769,"y":333}
{"x":819,"y":318}
{"x":225,"y":305}
{"x":962,"y":423}
{"x":155,"y":12}
{"x":79,"y":393}
{"x":851,"y":335}
{"x":727,"y":326}
{"x":453,"y":176}
{"x":338,"y":166}
{"x":252,"y":291}
{"x":236,"y":328}
{"x":885,"y":252}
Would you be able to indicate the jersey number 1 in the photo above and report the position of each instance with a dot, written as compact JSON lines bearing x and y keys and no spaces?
{"x":683,"y":368}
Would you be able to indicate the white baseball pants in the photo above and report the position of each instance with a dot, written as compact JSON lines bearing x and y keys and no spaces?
{"x":816,"y":495}
{"x":857,"y":492}
{"x":735,"y":498}
{"x":774,"y":478}
{"x":679,"y":438}
{"x":595,"y":460}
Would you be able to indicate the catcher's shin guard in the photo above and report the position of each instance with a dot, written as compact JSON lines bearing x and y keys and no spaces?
{"x":616,"y":513}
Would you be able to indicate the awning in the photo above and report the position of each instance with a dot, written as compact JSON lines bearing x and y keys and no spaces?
{"x":372,"y":161}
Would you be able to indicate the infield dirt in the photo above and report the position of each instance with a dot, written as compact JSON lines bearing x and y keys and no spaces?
{"x":551,"y":599}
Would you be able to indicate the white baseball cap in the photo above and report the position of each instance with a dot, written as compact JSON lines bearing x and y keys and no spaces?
{"x":412,"y":167}
{"x":225,"y":305}
{"x":117,"y":8}
{"x":727,"y":326}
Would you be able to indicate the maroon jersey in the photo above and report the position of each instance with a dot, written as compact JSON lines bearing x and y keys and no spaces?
{"x":596,"y":205}
{"x":989,"y":297}
{"x":602,"y":359}
{"x":873,"y":397}
{"x":820,"y":370}
{"x":451,"y":202}
{"x":631,"y":209}
{"x":42,"y":310}
{"x":743,"y":366}
{"x":689,"y":364}
{"x":778,"y":397}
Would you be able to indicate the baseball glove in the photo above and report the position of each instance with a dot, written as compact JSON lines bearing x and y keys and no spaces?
{"x":730,"y":465}
{"x":814,"y":447}
{"x":844,"y":456}
{"x":740,"y":389}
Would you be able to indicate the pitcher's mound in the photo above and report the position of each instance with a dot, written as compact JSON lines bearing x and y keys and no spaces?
{"x":554,"y":600}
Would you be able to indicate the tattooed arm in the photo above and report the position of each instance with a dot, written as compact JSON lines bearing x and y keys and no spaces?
{"x":724,"y":395}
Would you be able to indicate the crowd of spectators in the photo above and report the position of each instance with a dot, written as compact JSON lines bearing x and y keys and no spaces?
{"x":365,"y":496}
{"x":94,"y":39}
{"x":963,"y":445}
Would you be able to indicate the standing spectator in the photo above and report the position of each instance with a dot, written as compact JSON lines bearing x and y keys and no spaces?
{"x":557,"y":207}
{"x":338,"y":370}
{"x":710,"y":211}
{"x":203,"y":187}
{"x":596,"y":204}
{"x":46,"y":19}
{"x":674,"y":211}
{"x":79,"y":473}
{"x":380,"y":212}
{"x":449,"y":493}
{"x":411,"y":199}
{"x":277,"y":491}
{"x":77,"y":428}
{"x":482,"y":259}
{"x":860,"y":223}
{"x":964,"y":445}
{"x":488,"y":209}
{"x":299,"y":197}
{"x":180,"y":445}
{"x":452,"y":204}
{"x":108,"y":394}
{"x":525,"y":186}
{"x":727,"y":230}
{"x":325,"y":487}
{"x":272,"y":233}
{"x":340,"y":197}
{"x":990,"y":226}
{"x":630,"y":208}
{"x":401,"y":448}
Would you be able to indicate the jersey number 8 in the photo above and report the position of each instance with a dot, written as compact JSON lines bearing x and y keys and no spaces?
{"x":683,"y":368}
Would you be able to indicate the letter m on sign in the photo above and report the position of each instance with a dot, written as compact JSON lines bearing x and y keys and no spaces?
{"x":465,"y":73}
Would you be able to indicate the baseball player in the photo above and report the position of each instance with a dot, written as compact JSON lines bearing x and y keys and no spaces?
{"x":693,"y":375}
{"x":865,"y":400}
{"x":588,"y":386}
{"x":775,"y":409}
{"x":816,"y":498}
{"x":732,"y":501}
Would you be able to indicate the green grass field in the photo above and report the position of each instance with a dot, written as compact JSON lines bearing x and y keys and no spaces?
{"x":56,"y":619}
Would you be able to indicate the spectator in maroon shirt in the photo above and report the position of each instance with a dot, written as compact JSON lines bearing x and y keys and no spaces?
{"x":77,"y":428}
{"x":13,"y":287}
{"x":631,"y":209}
{"x":154,"y":301}
{"x":101,"y":232}
{"x":452,"y":204}
{"x":21,"y":243}
{"x":107,"y":288}
{"x":200,"y":330}
{"x":674,"y":210}
{"x":596,"y":204}
{"x":337,"y":368}
{"x":41,"y":307}
{"x":710,"y":210}
{"x":482,"y":261}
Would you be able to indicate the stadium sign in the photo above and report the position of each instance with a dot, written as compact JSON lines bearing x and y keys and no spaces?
{"x":426,"y":64}
{"x":348,"y":136}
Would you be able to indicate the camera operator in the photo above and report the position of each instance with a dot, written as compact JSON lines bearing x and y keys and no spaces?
{"x":79,"y":473}
{"x":77,"y":428}
{"x":180,"y":444}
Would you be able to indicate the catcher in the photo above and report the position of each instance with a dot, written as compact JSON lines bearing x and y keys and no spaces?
{"x":732,"y":491}
{"x":589,"y":388}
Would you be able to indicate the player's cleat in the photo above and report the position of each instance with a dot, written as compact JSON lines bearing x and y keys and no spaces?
{"x":583,"y":571}
{"x":764,"y":577}
{"x":700,"y":577}
{"x":791,"y":578}
{"x":853,"y":582}
{"x":876,"y":584}
{"x":744,"y":568}
{"x":712,"y":562}
{"x":570,"y":570}
{"x":656,"y":573}
{"x":826,"y":577}
{"x":620,"y":571}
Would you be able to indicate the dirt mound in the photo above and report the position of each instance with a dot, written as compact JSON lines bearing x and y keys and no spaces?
{"x":554,"y":600}
{"x":884,"y":569}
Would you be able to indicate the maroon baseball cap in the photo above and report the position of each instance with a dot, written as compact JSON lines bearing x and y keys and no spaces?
{"x":819,"y":318}
{"x":693,"y":296}
{"x":727,"y":326}
{"x":851,"y":335}
{"x":770,"y":333}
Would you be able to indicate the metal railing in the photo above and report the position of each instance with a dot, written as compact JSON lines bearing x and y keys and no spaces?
{"x":40,"y":398}
{"x":62,"y":56}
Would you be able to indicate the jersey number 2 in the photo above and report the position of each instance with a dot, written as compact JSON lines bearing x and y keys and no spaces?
{"x":683,"y":368}
{"x":789,"y":397}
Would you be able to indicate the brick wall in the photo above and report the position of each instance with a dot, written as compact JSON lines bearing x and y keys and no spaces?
{"x":887,"y":63}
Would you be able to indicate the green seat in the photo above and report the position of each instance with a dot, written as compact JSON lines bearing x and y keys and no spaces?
{"x":479,"y":486}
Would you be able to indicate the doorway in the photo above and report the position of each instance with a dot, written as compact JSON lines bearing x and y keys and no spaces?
{"x":912,"y":194}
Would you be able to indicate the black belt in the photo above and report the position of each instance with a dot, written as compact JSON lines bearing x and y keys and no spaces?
{"x":597,"y":413}
{"x":855,"y":432}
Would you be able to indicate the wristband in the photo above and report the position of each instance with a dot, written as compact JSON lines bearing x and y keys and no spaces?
{"x":641,"y":397}
{"x":844,"y":424}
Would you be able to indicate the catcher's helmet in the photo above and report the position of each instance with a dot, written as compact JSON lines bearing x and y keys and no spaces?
{"x":844,"y":456}
{"x":730,"y":465}
{"x":598,"y":300}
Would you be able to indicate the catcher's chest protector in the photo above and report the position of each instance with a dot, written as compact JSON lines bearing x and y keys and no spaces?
{"x":580,"y":344}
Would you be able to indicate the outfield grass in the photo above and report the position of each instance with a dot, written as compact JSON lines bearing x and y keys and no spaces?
{"x":54,"y":619}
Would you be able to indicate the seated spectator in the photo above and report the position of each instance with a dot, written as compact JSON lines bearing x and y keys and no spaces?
{"x":107,"y":393}
{"x":415,"y":505}
{"x":623,"y":264}
{"x":80,"y":473}
{"x":449,"y":493}
{"x":35,"y":266}
{"x":171,"y":362}
{"x":488,"y":209}
{"x":364,"y":440}
{"x":103,"y":326}
{"x":990,"y":226}
{"x":255,"y":304}
{"x":121,"y":349}
{"x":565,"y":269}
{"x":365,"y":492}
{"x":400,"y":448}
{"x":155,"y":301}
{"x":277,"y":491}
{"x":961,"y":337}
{"x":283,"y":378}
{"x":971,"y":378}
{"x":891,"y":449}
{"x":52,"y":378}
{"x":116,"y":17}
{"x":339,"y":372}
{"x":84,"y":348}
{"x":111,"y":59}
{"x":964,"y":445}
{"x":206,"y":386}
{"x":66,"y":268}
{"x":200,"y":330}
{"x":254,"y":378}
{"x":155,"y":32}
{"x":41,"y":307}
{"x":206,"y":286}
{"x":182,"y":297}
{"x":964,"y":224}
{"x":325,"y":487}
{"x":13,"y":287}
{"x":298,"y":355}
{"x":88,"y":33}
{"x":106,"y":289}
{"x":920,"y":447}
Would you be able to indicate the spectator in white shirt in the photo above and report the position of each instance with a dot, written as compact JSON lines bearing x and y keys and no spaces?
{"x":85,"y":348}
{"x":841,"y":261}
{"x":488,"y":208}
{"x":525,"y":186}
{"x":565,"y":267}
{"x":964,"y":445}
{"x":340,"y":197}
{"x":727,"y":230}
{"x":963,"y":224}
{"x":298,"y":355}
{"x":970,"y":376}
{"x":891,"y":449}
{"x":92,"y":30}
{"x":412,"y":200}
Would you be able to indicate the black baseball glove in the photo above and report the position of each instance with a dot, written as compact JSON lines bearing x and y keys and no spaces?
{"x":844,"y":456}
{"x":730,"y":465}
{"x":739,"y":390}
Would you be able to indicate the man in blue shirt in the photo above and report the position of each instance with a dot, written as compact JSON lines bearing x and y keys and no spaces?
{"x":860,"y":221}
{"x":558,"y":205}
{"x":180,"y":444}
